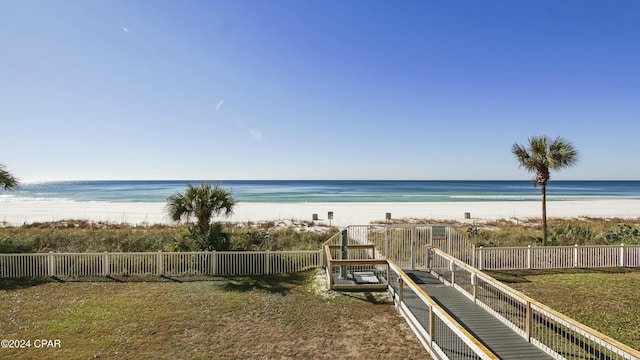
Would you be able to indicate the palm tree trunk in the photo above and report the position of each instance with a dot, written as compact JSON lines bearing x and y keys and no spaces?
{"x":544,"y":214}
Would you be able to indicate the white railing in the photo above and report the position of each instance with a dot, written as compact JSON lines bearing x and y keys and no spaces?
{"x":557,"y":257}
{"x":354,"y":267}
{"x":439,"y":332}
{"x":557,"y":334}
{"x":157,"y":263}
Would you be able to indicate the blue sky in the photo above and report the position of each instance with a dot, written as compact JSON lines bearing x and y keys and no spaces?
{"x":315,"y":89}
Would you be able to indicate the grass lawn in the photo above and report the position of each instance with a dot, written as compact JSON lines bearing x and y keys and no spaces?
{"x":603,"y":299}
{"x":270,"y":317}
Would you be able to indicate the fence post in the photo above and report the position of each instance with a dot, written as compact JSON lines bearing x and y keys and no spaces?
{"x":214,"y":262}
{"x":623,"y":256}
{"x":529,"y":322}
{"x":474,"y":283}
{"x":52,"y":264}
{"x":528,"y":257}
{"x":386,"y":242}
{"x":105,"y":264}
{"x":267,"y":265}
{"x":432,"y":326}
{"x":413,"y":251}
{"x":400,"y":290}
{"x":449,"y":245}
{"x":344,"y":242}
{"x":159,"y":263}
{"x":473,"y":256}
{"x":452,"y":268}
{"x":480,"y":258}
{"x":575,"y":256}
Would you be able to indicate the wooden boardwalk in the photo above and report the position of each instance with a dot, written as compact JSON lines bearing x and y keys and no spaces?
{"x":493,"y":333}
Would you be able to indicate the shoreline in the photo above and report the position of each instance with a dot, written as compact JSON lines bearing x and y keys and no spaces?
{"x":351,"y":213}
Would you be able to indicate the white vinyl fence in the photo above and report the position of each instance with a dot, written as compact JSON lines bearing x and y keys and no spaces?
{"x":557,"y":257}
{"x":157,"y":263}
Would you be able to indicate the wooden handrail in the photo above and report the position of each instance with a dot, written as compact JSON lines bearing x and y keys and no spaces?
{"x":434,"y":305}
{"x":353,"y":246}
{"x":540,"y":305}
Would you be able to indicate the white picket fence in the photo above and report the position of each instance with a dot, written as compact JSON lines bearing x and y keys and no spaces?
{"x":556,"y":257}
{"x":157,"y":263}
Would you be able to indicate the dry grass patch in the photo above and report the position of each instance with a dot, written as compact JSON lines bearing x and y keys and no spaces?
{"x":603,"y":299}
{"x":233,"y":317}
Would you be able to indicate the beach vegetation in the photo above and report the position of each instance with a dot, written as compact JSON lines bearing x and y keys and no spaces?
{"x":7,"y":180}
{"x":541,"y":155}
{"x":562,"y":232}
{"x":85,"y":236}
{"x":202,"y":202}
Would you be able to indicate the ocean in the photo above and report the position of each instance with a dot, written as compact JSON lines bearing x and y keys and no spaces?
{"x":307,"y":191}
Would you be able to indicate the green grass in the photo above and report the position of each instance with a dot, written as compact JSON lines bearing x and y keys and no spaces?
{"x":228,"y":318}
{"x":603,"y":299}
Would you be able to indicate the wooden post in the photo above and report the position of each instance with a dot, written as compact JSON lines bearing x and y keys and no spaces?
{"x":267,"y":263}
{"x":575,"y":256}
{"x":623,"y":256}
{"x":480,"y":258}
{"x":529,"y":257}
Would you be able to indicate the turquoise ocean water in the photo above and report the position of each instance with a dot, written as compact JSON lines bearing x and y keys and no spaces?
{"x":300,"y":191}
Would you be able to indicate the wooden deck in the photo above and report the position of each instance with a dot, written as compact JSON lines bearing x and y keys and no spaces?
{"x":493,"y":333}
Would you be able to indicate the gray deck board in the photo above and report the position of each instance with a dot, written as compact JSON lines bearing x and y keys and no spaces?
{"x":493,"y":333}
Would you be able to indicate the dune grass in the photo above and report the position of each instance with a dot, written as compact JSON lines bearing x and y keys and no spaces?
{"x":85,"y":236}
{"x":227,"y":318}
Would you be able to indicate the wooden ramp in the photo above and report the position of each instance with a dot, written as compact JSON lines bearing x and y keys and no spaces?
{"x":493,"y":333}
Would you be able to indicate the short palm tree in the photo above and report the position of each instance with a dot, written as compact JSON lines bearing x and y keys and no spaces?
{"x":7,"y":181}
{"x":202,"y":202}
{"x":540,"y":157}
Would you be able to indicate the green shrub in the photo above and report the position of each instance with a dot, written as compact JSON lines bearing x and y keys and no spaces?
{"x":622,"y":234}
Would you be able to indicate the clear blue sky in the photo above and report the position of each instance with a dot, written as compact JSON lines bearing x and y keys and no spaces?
{"x":300,"y":89}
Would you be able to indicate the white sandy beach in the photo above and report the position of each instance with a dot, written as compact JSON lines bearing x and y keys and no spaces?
{"x":24,"y":212}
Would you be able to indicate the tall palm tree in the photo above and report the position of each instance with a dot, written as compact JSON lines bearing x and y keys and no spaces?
{"x":7,"y":181}
{"x":540,"y":157}
{"x":202,"y":202}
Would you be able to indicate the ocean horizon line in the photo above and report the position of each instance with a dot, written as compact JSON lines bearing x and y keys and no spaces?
{"x":36,"y":181}
{"x":307,"y":191}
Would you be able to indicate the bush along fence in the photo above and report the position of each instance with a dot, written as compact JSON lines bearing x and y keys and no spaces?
{"x":157,"y":263}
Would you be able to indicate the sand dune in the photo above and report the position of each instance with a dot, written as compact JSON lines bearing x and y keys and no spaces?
{"x":18,"y":213}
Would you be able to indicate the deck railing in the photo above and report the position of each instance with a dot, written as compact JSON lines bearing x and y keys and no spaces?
{"x":557,"y":257}
{"x":157,"y":263}
{"x":438,"y":331}
{"x":557,"y":334}
{"x":355,"y":268}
